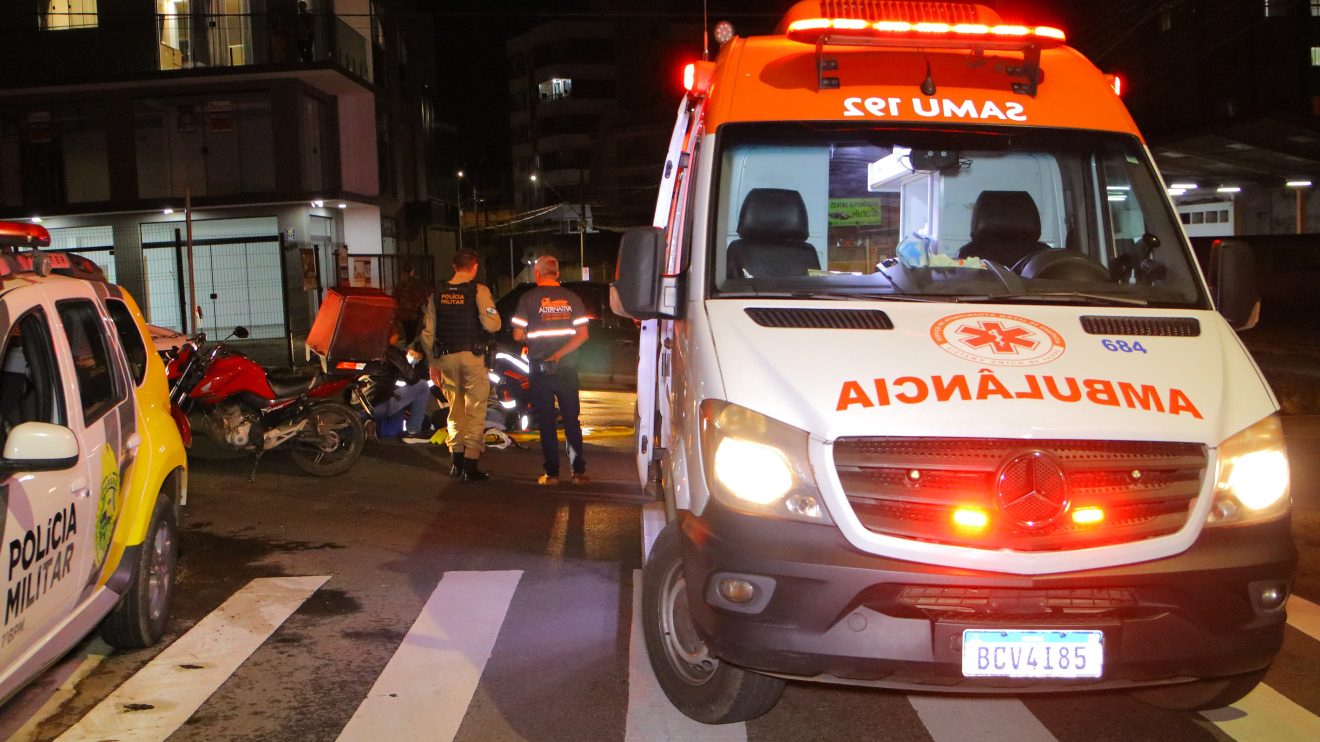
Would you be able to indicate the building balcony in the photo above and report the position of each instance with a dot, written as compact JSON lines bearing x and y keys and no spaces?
{"x":167,"y":44}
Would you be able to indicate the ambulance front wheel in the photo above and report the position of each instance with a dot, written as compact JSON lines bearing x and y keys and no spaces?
{"x":700,"y":685}
{"x":1200,"y":695}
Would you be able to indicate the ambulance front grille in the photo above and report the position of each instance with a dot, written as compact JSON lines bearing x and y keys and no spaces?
{"x":1182,"y":327}
{"x":911,"y":488}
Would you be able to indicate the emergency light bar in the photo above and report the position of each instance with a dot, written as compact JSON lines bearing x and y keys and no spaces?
{"x":20,"y":233}
{"x":811,"y":30}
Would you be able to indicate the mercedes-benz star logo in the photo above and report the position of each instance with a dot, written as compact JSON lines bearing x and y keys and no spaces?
{"x":1032,"y":490}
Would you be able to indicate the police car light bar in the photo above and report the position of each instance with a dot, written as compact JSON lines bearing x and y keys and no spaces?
{"x":811,"y":30}
{"x":26,"y":234}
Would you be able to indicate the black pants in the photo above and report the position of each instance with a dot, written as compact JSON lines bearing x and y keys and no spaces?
{"x":562,"y":386}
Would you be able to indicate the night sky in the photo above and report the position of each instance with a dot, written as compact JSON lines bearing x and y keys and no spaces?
{"x":473,"y":75}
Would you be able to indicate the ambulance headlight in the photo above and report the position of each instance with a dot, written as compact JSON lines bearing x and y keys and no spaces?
{"x":758,"y":465}
{"x":1251,"y":484}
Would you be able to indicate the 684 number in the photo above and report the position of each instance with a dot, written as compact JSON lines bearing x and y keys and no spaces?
{"x":1123,"y":346}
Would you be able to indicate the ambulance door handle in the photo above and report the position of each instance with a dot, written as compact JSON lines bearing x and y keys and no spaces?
{"x":134,"y":441}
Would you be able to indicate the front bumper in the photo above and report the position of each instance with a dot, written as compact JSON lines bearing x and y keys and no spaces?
{"x":826,"y":611}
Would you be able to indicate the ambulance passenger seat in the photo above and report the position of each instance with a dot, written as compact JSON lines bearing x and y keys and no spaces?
{"x":772,"y":231}
{"x":1005,"y":228}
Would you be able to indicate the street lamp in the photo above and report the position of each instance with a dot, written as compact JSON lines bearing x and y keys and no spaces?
{"x":582,"y":224}
{"x":458,"y":202}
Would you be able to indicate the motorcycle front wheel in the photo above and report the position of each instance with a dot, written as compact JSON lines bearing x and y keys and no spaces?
{"x":331,"y":442}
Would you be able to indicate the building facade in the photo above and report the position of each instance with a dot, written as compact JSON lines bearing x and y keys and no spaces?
{"x":297,"y":139}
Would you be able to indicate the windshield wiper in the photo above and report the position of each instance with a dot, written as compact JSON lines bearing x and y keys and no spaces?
{"x":859,"y":295}
{"x":1060,"y":297}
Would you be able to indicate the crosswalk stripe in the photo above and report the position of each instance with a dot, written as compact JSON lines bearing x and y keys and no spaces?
{"x":1304,"y":616}
{"x":985,"y":719}
{"x":426,"y":687}
{"x":1266,"y":715}
{"x":160,"y":697}
{"x":651,"y":717}
{"x":71,"y":670}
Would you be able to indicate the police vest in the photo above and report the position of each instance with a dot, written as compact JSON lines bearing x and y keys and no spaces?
{"x":457,"y":325}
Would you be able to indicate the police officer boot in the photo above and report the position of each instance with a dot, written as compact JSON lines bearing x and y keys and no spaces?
{"x":471,"y":473}
{"x":456,"y":470}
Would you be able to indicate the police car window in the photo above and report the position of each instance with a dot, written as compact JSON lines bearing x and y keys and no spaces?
{"x":29,"y":378}
{"x":130,"y":339}
{"x":98,"y":388}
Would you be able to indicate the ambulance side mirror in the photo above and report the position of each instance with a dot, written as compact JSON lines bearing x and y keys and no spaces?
{"x":640,"y":289}
{"x":1233,"y":283}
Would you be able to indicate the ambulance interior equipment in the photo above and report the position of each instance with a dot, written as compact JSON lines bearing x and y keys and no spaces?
{"x":1014,"y":216}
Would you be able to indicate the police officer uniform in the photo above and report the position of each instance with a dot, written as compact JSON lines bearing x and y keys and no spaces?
{"x":455,"y":326}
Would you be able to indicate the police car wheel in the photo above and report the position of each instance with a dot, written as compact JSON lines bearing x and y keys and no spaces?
{"x":1200,"y":695}
{"x":139,"y":619}
{"x":699,"y":684}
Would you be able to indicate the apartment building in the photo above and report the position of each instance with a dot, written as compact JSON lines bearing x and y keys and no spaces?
{"x":299,"y":134}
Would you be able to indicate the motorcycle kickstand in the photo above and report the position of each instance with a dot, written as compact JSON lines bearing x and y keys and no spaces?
{"x":256,"y":459}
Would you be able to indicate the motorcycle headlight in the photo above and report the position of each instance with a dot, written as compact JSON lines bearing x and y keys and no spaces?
{"x":758,"y":465}
{"x":1251,"y":484}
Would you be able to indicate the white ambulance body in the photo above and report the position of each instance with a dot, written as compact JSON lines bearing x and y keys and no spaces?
{"x":932,"y":388}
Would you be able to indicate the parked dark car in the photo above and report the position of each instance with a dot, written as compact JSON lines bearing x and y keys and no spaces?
{"x":609,"y":357}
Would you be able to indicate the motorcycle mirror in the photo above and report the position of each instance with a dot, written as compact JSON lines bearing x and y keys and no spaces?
{"x":241,"y":332}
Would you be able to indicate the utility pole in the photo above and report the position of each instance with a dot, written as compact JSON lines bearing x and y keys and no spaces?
{"x":582,"y":222}
{"x":192,"y":283}
{"x":458,"y":202}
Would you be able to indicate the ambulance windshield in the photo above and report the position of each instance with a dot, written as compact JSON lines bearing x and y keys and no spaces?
{"x":990,"y":214}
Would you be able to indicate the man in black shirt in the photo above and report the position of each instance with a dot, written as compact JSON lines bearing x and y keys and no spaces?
{"x":456,"y":326}
{"x":553,"y":321}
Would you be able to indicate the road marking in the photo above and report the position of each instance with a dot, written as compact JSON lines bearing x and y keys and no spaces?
{"x":1304,"y":616}
{"x":425,"y":688}
{"x":651,"y":717}
{"x":160,"y":697}
{"x":653,"y":522}
{"x":986,"y":719}
{"x":69,"y":672}
{"x":1265,"y":715}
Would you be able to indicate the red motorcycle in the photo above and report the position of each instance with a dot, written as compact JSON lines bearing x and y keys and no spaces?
{"x":232,"y":400}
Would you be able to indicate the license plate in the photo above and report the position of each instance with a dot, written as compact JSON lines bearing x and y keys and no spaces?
{"x":1032,"y":654}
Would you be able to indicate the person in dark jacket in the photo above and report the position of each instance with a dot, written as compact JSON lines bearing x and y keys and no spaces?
{"x":456,"y":327}
{"x":553,"y":321}
{"x":413,"y":395}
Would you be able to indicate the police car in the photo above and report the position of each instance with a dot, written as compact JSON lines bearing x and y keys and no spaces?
{"x":92,"y":469}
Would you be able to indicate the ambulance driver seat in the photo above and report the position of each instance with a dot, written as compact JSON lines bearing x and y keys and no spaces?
{"x":772,"y":231}
{"x":1005,"y":228}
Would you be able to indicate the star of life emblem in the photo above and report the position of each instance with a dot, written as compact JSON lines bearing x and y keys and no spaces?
{"x":998,"y":339}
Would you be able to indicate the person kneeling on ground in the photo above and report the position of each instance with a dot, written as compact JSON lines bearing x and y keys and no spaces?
{"x":414,"y":395}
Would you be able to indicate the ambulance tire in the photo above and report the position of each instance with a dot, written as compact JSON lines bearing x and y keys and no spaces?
{"x":140,"y":617}
{"x":701,"y":686}
{"x":1200,"y":695}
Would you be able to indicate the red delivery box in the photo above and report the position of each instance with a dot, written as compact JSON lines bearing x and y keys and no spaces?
{"x":352,"y":328}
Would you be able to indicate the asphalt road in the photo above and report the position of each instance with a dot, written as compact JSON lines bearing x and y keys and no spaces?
{"x":333,"y":609}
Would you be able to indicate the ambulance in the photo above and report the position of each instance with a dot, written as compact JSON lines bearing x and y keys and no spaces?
{"x":931,"y":386}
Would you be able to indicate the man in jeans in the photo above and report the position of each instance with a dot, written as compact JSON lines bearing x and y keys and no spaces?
{"x":411,"y":393}
{"x":456,"y":327}
{"x":553,"y":322}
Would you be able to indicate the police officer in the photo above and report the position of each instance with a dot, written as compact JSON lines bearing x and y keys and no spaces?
{"x":455,"y":327}
{"x":553,"y":321}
